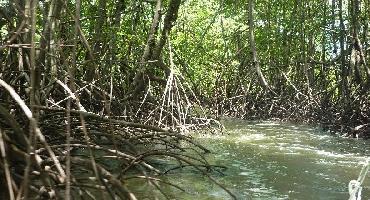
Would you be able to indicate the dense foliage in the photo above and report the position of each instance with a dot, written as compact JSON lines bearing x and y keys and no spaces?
{"x":312,"y":52}
{"x":159,"y":62}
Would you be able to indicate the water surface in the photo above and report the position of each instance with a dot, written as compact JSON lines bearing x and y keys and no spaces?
{"x":270,"y":160}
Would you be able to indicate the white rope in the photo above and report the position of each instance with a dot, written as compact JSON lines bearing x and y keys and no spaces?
{"x":354,"y":186}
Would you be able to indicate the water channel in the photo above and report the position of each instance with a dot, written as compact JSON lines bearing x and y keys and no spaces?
{"x":270,"y":160}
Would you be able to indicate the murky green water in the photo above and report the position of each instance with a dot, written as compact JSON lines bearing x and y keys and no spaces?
{"x":270,"y":160}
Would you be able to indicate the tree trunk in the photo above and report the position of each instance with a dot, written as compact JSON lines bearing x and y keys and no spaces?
{"x":34,"y":70}
{"x":140,"y":75}
{"x":48,"y":51}
{"x":252,"y":43}
{"x":324,"y":68}
{"x":334,"y":39}
{"x":344,"y":70}
{"x":357,"y":53}
{"x":154,"y":49}
{"x":170,"y":18}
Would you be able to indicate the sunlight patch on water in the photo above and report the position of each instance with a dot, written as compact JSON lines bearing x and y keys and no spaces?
{"x":263,"y":192}
{"x":330,"y":154}
{"x":267,"y":123}
{"x":243,"y":131}
{"x":300,"y":148}
{"x":321,"y":137}
{"x":251,"y":137}
{"x":245,"y":173}
{"x":326,"y":162}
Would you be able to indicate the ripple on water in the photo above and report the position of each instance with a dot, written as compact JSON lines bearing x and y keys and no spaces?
{"x":246,"y":173}
{"x":331,"y":154}
{"x":270,"y":160}
{"x":268,"y":123}
{"x":251,"y":137}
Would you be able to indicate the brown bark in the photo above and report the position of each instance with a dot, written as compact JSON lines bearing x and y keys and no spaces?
{"x":334,"y":40}
{"x":170,"y":18}
{"x":344,"y":90}
{"x":323,"y":55}
{"x":139,"y":77}
{"x":252,"y":43}
{"x":153,"y":49}
{"x":357,"y":54}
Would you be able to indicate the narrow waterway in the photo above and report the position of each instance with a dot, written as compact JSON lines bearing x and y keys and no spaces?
{"x":270,"y":160}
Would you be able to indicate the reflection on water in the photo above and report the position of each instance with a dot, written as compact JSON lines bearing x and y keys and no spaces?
{"x":270,"y":160}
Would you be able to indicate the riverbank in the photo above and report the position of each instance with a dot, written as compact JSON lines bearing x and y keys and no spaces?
{"x":352,"y":122}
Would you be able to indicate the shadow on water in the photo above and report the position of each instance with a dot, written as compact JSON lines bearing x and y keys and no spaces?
{"x":270,"y":160}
